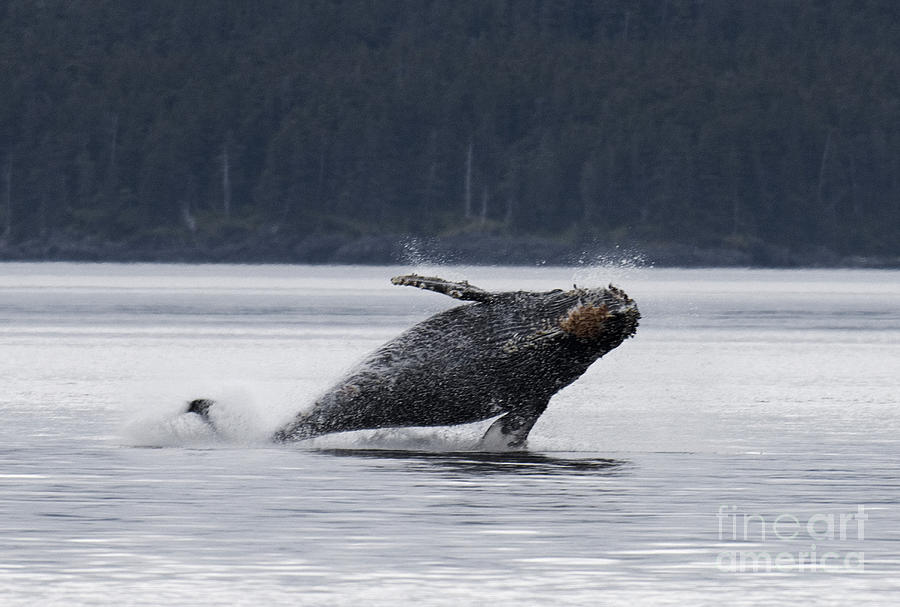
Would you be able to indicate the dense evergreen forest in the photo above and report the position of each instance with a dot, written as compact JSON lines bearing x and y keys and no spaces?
{"x":281,"y":130}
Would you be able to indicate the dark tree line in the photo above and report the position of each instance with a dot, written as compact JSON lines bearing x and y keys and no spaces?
{"x":650,"y":120}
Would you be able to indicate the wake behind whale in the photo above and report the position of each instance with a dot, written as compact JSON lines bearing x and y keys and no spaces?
{"x":502,"y":356}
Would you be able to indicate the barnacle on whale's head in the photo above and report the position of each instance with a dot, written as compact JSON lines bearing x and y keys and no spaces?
{"x":601,"y":314}
{"x":586,"y":321}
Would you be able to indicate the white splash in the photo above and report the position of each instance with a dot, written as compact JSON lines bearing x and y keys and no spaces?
{"x":608,"y":268}
{"x":236,"y":419}
{"x":464,"y":437}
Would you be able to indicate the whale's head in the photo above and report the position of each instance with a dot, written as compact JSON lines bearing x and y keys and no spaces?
{"x":601,"y":318}
{"x":587,"y":323}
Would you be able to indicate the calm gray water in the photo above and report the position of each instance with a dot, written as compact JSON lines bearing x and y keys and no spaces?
{"x":743,"y":448}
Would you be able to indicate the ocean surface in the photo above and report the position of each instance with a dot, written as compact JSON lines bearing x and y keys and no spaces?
{"x":743,"y":448}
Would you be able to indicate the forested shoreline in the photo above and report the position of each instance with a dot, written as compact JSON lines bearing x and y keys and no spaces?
{"x":520,"y":131}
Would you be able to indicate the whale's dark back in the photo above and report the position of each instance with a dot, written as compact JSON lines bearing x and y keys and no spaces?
{"x":470,"y":363}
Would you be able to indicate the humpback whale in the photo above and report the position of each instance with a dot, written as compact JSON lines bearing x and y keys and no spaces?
{"x":501,"y":354}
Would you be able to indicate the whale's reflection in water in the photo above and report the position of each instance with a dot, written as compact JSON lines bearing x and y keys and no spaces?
{"x":490,"y":463}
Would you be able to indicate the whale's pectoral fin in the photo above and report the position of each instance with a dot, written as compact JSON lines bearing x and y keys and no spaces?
{"x":511,"y":430}
{"x":457,"y":290}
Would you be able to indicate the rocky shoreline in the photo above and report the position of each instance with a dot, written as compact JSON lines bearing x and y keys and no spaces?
{"x":469,"y":249}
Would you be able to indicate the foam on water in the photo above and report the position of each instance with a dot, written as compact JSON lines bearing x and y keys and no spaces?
{"x":238,"y":419}
{"x":442,"y":439}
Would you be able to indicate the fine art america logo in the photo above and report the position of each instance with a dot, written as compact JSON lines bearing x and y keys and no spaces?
{"x":806,"y":544}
